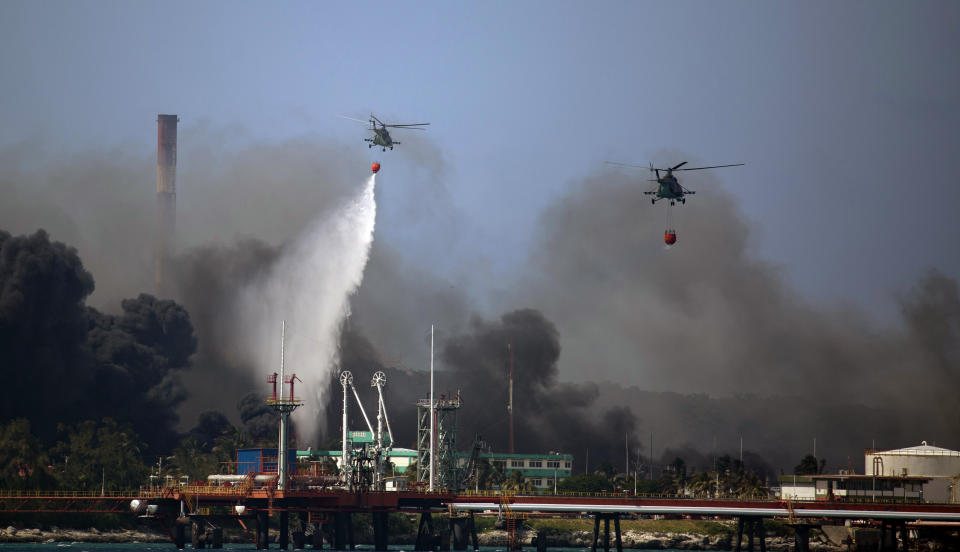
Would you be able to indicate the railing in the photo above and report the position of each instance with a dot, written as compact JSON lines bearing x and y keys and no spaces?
{"x":610,"y":494}
{"x":69,"y":494}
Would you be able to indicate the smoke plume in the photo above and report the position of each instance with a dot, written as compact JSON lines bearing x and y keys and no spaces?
{"x":707,"y":318}
{"x":70,"y":362}
{"x":698,"y":344}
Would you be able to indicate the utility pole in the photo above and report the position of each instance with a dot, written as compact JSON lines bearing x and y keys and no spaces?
{"x":433,"y":446}
{"x":626,"y":454}
{"x":651,"y":456}
{"x":510,"y":394}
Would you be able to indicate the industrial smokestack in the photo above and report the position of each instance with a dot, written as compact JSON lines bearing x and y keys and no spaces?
{"x":166,"y":197}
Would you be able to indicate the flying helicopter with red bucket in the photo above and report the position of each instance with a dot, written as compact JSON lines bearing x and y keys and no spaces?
{"x":668,"y":187}
{"x":381,"y":136}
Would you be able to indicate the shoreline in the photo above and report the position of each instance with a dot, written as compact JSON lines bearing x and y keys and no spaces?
{"x":631,"y":539}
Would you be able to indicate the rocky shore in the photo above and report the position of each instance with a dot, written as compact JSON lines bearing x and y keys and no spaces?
{"x":55,"y":534}
{"x":650,"y":541}
{"x":498,"y":538}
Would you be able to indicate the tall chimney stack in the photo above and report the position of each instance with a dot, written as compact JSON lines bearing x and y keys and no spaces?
{"x":166,"y":198}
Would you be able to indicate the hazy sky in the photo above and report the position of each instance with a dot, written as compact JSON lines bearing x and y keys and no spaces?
{"x":847,"y":115}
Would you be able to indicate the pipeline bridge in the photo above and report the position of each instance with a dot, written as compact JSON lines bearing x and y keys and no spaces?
{"x":203,"y":510}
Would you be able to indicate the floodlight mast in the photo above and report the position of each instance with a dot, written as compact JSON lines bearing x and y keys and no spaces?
{"x":432,"y":416}
{"x":284,"y":406}
{"x":346,"y":378}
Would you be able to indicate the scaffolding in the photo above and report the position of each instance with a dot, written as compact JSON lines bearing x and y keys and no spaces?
{"x":445,"y":443}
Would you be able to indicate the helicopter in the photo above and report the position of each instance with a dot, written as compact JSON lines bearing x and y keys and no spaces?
{"x":381,"y":136}
{"x":668,"y":187}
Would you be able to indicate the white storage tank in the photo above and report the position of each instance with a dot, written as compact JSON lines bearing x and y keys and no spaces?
{"x":925,"y":461}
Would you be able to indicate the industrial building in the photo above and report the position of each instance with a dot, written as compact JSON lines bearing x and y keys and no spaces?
{"x":542,"y":471}
{"x":940,"y":465}
{"x":853,"y":487}
{"x":400,"y":458}
{"x":922,"y":473}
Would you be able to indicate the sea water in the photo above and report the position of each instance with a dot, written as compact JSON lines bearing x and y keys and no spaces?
{"x":168,"y":547}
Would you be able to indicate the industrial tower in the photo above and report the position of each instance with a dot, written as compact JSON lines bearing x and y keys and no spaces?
{"x":166,"y":199}
{"x":444,"y":445}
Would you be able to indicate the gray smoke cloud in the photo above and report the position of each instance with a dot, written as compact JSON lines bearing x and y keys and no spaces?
{"x":707,"y":319}
{"x":700,"y":343}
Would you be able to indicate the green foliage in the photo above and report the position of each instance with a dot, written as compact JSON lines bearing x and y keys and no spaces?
{"x":585,"y":483}
{"x":607,"y":469}
{"x":400,"y":524}
{"x":809,"y":466}
{"x":99,"y":455}
{"x":699,"y":527}
{"x":191,"y":460}
{"x":411,"y":472}
{"x":516,"y":482}
{"x":196,"y":459}
{"x":23,"y":464}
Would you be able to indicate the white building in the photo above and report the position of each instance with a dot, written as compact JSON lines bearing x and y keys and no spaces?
{"x":853,"y":488}
{"x":941,"y":465}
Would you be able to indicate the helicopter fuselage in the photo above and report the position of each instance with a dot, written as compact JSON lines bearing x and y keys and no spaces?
{"x":669,"y":188}
{"x":381,"y":138}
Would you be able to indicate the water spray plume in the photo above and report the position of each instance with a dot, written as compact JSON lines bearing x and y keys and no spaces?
{"x":310,"y":286}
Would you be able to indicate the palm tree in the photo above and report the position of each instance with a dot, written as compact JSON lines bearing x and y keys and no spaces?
{"x":517,"y":482}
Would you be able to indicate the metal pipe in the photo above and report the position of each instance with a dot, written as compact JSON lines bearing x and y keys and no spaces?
{"x":345,"y":376}
{"x":232,"y":478}
{"x":362,"y":411}
{"x":387,"y":420}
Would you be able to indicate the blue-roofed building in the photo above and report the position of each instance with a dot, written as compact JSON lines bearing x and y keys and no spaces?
{"x":263,"y":460}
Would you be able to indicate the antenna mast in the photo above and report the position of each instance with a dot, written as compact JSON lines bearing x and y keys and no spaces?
{"x":510,"y":394}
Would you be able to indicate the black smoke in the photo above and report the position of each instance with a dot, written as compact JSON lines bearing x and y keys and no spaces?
{"x":259,"y":421}
{"x":549,"y":415}
{"x":70,"y":362}
{"x":44,"y":355}
{"x":701,"y":343}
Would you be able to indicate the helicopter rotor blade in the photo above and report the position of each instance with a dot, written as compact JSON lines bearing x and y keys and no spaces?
{"x":408,"y":125}
{"x":624,"y":165}
{"x":352,"y":119}
{"x":710,"y":167}
{"x":675,"y":167}
{"x":374,"y":117}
